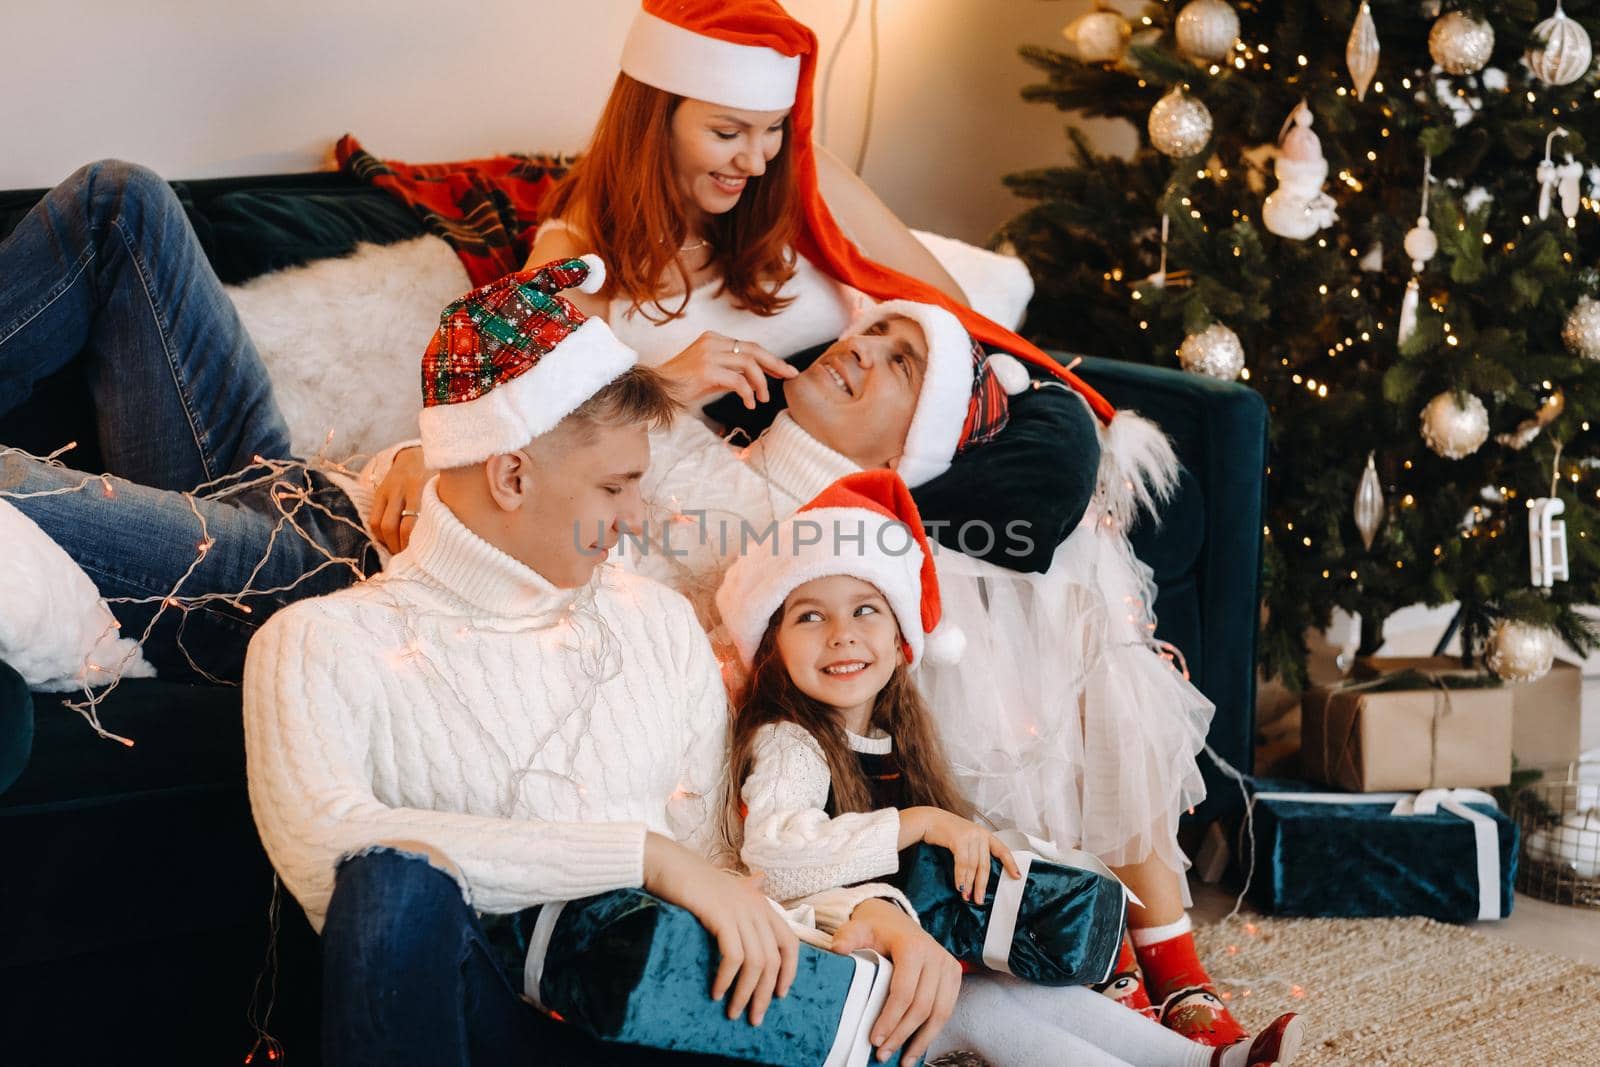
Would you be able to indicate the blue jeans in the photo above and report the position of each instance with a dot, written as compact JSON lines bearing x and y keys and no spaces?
{"x":107,"y":269}
{"x":409,"y":976}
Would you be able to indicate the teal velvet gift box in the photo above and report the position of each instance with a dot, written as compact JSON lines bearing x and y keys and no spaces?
{"x":1061,"y":925}
{"x":630,"y":968}
{"x":1446,"y":854}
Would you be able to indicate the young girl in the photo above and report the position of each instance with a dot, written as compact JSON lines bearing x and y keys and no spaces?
{"x":836,"y":767}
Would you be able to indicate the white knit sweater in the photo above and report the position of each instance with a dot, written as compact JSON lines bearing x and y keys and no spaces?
{"x":788,"y":834}
{"x":530,"y":733}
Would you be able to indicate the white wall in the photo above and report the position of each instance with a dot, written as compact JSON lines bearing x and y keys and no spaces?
{"x":205,"y":88}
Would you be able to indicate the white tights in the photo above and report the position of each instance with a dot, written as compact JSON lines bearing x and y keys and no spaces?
{"x":1008,"y":1021}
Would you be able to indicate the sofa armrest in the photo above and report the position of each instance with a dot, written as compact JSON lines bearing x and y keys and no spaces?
{"x":1208,"y":602}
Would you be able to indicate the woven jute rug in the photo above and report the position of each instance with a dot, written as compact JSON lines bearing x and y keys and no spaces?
{"x":1401,"y":993}
{"x":1410,"y":992}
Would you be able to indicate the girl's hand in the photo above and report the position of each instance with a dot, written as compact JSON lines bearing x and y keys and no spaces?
{"x":399,"y":495}
{"x":716,"y":364}
{"x":970,"y":847}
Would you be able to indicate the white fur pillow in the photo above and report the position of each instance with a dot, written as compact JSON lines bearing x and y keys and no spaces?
{"x":343,"y":338}
{"x":997,"y":285}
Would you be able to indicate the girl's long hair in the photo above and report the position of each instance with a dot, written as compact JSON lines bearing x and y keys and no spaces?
{"x":770,"y":696}
{"x":623,"y":194}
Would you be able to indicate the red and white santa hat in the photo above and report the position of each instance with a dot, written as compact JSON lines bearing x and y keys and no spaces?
{"x":511,"y":359}
{"x":964,"y":397}
{"x":755,"y":56}
{"x":864,"y":525}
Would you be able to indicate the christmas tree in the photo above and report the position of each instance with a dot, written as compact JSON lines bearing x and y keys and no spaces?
{"x":1221,"y":245}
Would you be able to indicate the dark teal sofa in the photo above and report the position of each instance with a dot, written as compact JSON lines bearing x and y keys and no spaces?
{"x":136,"y":905}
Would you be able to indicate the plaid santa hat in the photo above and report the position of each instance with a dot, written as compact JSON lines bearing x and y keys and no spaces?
{"x":964,"y":400}
{"x":753,"y":55}
{"x":511,"y":359}
{"x":864,"y":525}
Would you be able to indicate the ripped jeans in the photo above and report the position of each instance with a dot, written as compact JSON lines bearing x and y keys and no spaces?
{"x":106,"y":269}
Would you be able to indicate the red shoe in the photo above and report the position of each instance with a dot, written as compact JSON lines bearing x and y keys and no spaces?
{"x":1276,"y":1046}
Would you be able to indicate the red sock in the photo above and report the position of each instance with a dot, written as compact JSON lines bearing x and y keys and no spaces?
{"x":1181,"y":988}
{"x":1126,"y":984}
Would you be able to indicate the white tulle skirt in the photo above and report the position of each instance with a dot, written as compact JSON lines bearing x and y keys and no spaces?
{"x":1064,"y":717}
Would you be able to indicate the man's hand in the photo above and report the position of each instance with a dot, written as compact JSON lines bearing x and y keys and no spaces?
{"x":399,"y":495}
{"x":755,"y":942}
{"x":925,"y":983}
{"x":970,"y":847}
{"x":717,"y":364}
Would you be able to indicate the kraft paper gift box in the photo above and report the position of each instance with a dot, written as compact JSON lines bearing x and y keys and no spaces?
{"x":1448,"y":854}
{"x":1408,"y":730}
{"x":1060,"y":924}
{"x":628,"y":967}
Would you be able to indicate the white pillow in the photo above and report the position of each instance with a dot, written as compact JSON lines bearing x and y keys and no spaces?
{"x":996,"y":285}
{"x":342,"y":340}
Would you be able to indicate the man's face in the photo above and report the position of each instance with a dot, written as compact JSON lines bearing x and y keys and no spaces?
{"x":859,"y":396}
{"x":584,"y":482}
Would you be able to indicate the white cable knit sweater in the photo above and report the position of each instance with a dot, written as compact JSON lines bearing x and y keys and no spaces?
{"x":788,"y":834}
{"x":532,"y":734}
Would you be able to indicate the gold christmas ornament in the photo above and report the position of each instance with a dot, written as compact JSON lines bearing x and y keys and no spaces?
{"x":1581,"y":331}
{"x":1460,"y":43}
{"x":1098,"y":37}
{"x":1369,"y":503}
{"x":1361,"y":50}
{"x":1207,"y":30}
{"x":1215,"y":352}
{"x":1561,"y":51}
{"x":1180,"y":125}
{"x":1520,"y":651}
{"x":1453,"y":429}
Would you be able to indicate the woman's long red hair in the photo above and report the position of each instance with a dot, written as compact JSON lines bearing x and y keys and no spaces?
{"x":623,"y":196}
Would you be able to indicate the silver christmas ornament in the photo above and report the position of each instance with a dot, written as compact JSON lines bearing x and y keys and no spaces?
{"x":1561,"y":52}
{"x":1361,"y":50}
{"x":1180,"y":125}
{"x":1581,"y":332}
{"x":1369,"y":503}
{"x":1207,"y":30}
{"x":1520,"y":651}
{"x":1098,"y":37}
{"x":1453,"y":429}
{"x":1460,"y":43}
{"x":1214,"y":351}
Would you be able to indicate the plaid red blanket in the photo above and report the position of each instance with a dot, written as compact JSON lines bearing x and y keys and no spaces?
{"x":487,"y":209}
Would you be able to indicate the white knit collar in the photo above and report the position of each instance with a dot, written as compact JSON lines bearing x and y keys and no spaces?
{"x":795,"y":462}
{"x":878,"y":744}
{"x":445,"y":552}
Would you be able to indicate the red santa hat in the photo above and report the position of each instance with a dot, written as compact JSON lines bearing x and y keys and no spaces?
{"x":753,"y":55}
{"x":511,"y":359}
{"x":864,"y":525}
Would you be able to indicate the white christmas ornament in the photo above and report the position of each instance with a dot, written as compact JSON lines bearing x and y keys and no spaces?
{"x":1520,"y":651}
{"x":1561,"y":52}
{"x":1215,"y":351}
{"x":1098,"y":37}
{"x":1361,"y":50}
{"x":1581,"y":331}
{"x":1453,"y":429}
{"x":1564,"y":179}
{"x":1180,"y":125}
{"x":1207,"y":30}
{"x":1299,"y":208}
{"x":1369,"y":503}
{"x":1420,"y":245}
{"x":1547,"y":542}
{"x":1460,"y":43}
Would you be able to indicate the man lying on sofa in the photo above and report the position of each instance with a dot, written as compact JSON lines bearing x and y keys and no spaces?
{"x":500,"y":720}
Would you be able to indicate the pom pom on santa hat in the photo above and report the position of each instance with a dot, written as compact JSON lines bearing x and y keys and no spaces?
{"x":511,"y":359}
{"x":866,"y":526}
{"x":964,"y":400}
